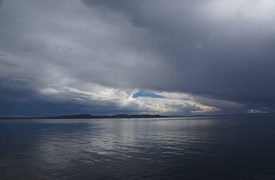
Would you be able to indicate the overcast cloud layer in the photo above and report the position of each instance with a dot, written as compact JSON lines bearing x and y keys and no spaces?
{"x":92,"y":56}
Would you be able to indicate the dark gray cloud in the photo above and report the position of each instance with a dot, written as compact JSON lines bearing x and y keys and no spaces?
{"x":221,"y":53}
{"x":229,"y":58}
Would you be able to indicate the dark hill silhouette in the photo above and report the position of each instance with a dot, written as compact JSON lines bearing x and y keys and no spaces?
{"x":88,"y":116}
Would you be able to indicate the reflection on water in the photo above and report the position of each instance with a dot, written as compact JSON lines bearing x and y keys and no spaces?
{"x":175,"y":148}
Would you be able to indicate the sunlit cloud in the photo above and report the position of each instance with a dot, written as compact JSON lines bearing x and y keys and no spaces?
{"x":251,"y":10}
{"x":171,"y":103}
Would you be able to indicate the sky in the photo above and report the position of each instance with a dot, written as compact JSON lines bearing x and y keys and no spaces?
{"x":103,"y":57}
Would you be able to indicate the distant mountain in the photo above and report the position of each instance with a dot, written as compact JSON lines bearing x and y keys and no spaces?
{"x":88,"y":116}
{"x":136,"y":116}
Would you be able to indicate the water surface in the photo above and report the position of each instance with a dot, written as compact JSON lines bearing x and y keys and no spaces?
{"x":169,"y":148}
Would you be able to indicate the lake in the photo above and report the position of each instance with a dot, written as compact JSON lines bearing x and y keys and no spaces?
{"x":225,"y":147}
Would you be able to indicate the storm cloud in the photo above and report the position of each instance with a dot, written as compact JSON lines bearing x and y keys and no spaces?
{"x":92,"y":56}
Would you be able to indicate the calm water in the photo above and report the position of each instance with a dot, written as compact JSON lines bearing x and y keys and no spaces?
{"x":179,"y":148}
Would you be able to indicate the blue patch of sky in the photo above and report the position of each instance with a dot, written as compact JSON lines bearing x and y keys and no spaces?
{"x":146,"y":94}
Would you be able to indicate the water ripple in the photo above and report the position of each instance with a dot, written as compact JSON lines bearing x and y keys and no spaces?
{"x":135,"y":149}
